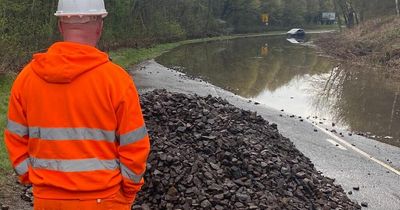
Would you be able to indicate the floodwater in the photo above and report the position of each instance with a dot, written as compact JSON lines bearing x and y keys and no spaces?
{"x":297,"y":79}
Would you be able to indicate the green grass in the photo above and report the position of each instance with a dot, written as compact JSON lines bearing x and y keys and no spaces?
{"x":129,"y":56}
{"x":5,"y":87}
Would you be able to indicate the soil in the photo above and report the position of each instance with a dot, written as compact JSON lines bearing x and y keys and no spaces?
{"x":10,"y":195}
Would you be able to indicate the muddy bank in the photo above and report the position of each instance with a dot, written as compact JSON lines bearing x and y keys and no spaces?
{"x":208,"y":154}
{"x":373,"y":43}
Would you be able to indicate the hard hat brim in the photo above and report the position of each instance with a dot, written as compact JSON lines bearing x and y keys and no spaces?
{"x":62,"y":14}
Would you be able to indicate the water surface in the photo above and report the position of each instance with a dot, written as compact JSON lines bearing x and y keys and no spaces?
{"x":298,"y":80}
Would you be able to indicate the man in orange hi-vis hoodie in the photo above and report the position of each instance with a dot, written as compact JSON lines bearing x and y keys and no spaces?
{"x":75,"y":128}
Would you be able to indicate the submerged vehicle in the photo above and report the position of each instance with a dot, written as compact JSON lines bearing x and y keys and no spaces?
{"x":296,"y":40}
{"x":296,"y":32}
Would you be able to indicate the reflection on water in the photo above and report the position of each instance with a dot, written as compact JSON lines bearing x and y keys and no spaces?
{"x":363,"y":99}
{"x":284,"y":75}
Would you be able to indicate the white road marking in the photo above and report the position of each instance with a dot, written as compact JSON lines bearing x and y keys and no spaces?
{"x":347,"y":144}
{"x":336,"y":144}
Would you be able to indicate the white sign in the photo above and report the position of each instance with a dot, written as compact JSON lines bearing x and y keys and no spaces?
{"x":329,"y":16}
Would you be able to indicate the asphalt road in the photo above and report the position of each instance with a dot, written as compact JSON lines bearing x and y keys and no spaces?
{"x":353,"y":161}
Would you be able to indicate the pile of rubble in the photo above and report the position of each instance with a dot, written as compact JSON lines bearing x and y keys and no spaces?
{"x":208,"y":154}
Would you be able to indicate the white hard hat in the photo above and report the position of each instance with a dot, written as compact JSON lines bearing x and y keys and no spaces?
{"x":81,"y":8}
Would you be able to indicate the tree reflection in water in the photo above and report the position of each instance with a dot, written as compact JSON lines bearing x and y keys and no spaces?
{"x":363,"y":99}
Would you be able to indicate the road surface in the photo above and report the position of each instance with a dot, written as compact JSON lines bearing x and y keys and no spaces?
{"x":353,"y":161}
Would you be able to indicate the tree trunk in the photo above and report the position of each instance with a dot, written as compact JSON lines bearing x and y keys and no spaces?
{"x":392,"y":116}
{"x":208,"y":18}
{"x":338,"y":15}
{"x":32,"y":7}
{"x":397,"y":8}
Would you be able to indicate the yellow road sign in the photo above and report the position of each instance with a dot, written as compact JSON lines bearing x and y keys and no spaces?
{"x":265,"y":18}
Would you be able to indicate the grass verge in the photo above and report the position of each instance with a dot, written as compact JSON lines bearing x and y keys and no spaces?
{"x":5,"y":87}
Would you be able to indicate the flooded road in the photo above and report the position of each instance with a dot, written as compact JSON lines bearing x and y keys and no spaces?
{"x":296,"y":79}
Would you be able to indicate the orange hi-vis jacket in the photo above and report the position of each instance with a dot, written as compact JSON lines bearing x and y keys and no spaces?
{"x":75,"y":127}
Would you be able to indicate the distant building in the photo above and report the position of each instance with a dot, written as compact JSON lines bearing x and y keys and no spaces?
{"x":328,"y":18}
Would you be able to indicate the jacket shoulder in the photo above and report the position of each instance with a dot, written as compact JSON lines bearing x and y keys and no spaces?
{"x":22,"y":77}
{"x":117,"y":71}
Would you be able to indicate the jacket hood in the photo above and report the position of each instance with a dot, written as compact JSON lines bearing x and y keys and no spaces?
{"x":65,"y":61}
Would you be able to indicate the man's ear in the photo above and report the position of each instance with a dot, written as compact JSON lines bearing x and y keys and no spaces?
{"x":100,"y":28}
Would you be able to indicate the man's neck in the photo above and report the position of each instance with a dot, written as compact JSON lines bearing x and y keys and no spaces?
{"x":81,"y":41}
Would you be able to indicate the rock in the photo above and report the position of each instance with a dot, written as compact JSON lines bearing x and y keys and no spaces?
{"x":209,"y":137}
{"x":357,"y":188}
{"x":274,"y":125}
{"x":239,"y":205}
{"x":214,"y":166}
{"x":218,"y":207}
{"x":252,"y":206}
{"x":301,"y":175}
{"x":26,"y":197}
{"x":145,"y":207}
{"x":211,"y":121}
{"x":136,"y":207}
{"x":4,"y":207}
{"x":205,"y":204}
{"x":172,"y":194}
{"x":219,"y":197}
{"x":242,"y":197}
{"x":181,"y":129}
{"x":364,"y":204}
{"x":157,"y":172}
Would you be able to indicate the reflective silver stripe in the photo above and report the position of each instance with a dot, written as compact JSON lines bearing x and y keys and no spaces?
{"x":71,"y":134}
{"x":133,"y":136}
{"x":23,"y":167}
{"x":126,"y":172}
{"x":82,"y":165}
{"x":17,"y":128}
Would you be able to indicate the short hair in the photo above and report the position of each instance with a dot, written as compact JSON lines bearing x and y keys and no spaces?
{"x":79,"y":19}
